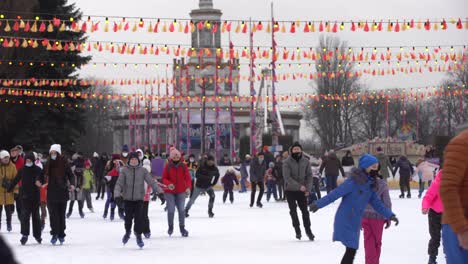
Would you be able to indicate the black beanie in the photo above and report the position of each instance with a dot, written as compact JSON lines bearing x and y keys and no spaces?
{"x":133,"y":155}
{"x":30,"y":156}
{"x":296,"y":144}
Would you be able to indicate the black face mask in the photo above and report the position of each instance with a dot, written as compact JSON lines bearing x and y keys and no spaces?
{"x":374,"y":173}
{"x":175,"y":162}
{"x":296,"y":156}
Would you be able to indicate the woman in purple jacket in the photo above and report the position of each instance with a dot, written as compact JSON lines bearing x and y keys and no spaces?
{"x":228,"y":182}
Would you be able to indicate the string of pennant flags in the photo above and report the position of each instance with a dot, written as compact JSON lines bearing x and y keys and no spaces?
{"x":443,"y":53}
{"x":409,"y":93}
{"x":181,"y":25}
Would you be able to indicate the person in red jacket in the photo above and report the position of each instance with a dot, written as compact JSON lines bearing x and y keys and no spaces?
{"x":176,"y":177}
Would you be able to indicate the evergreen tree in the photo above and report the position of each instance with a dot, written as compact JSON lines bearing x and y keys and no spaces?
{"x":36,"y":127}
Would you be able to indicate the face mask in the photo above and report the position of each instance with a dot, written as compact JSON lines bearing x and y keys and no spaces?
{"x":296,"y":156}
{"x":53,"y":157}
{"x":192,"y":160}
{"x":374,"y":173}
{"x":175,"y":161}
{"x":260,"y":160}
{"x":124,"y":154}
{"x":28,"y":164}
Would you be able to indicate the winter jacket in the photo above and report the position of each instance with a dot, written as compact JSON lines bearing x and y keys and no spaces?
{"x":78,"y":180}
{"x":111,"y":180}
{"x":7,"y":174}
{"x":228,"y":180}
{"x":347,"y":161}
{"x":98,"y":167}
{"x":19,"y":163}
{"x":207,"y":176}
{"x":356,"y":192}
{"x":454,"y":184}
{"x":28,"y":190}
{"x":88,"y":179}
{"x":178,"y":175}
{"x":384,"y":165}
{"x":245,"y":169}
{"x":426,"y":170}
{"x":278,"y":171}
{"x":59,"y":176}
{"x":131,"y":183}
{"x":432,"y":199}
{"x":405,"y":166}
{"x":384,"y":195}
{"x":157,"y":167}
{"x":192,"y":166}
{"x":269,"y":176}
{"x":297,"y":174}
{"x":332,"y":166}
{"x":257,"y":170}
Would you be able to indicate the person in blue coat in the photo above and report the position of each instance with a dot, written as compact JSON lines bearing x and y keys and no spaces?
{"x":356,"y":192}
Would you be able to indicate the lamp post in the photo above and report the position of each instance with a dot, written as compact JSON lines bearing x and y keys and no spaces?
{"x":203,"y":75}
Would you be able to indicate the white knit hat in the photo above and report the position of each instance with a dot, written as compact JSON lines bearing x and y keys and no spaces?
{"x":95,"y":155}
{"x":56,"y":147}
{"x":4,"y":154}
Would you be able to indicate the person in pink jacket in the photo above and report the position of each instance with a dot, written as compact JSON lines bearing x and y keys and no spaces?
{"x":432,"y":205}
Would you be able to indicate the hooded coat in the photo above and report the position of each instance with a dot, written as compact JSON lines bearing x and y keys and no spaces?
{"x":207,"y":176}
{"x":131,"y":183}
{"x":384,"y":165}
{"x":257,"y":170}
{"x":332,"y":166}
{"x":59,"y":177}
{"x":178,"y":175}
{"x":405,"y":167}
{"x":297,"y":174}
{"x":356,"y":192}
{"x":7,"y":174}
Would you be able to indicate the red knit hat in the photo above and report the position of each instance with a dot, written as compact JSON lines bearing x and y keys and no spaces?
{"x":87,"y":163}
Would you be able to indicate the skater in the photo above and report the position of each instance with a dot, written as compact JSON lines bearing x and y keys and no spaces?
{"x":111,"y":180}
{"x":58,"y":175}
{"x":278,"y":172}
{"x":146,"y":222}
{"x":373,"y":223}
{"x":454,"y":194}
{"x":347,"y":160}
{"x":32,"y":179}
{"x":384,"y":164}
{"x":297,"y":183}
{"x":192,"y":165}
{"x":257,"y":174}
{"x":7,"y":199}
{"x":17,"y":159}
{"x":206,"y":177}
{"x":332,"y":167}
{"x":78,"y":181}
{"x":315,"y":167}
{"x":176,"y":178}
{"x":228,"y":181}
{"x":433,"y":207}
{"x":43,"y":199}
{"x":270,"y":180}
{"x":88,"y":185}
{"x":406,"y":170}
{"x":98,"y":170}
{"x":356,"y":192}
{"x":425,"y":171}
{"x":130,"y":190}
{"x":245,"y":173}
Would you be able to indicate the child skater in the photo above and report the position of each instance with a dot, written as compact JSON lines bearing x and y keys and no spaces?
{"x":228,"y":182}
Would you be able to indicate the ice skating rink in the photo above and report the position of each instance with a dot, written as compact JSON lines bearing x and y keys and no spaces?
{"x":237,"y":234}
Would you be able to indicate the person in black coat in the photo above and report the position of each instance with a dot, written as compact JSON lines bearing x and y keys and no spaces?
{"x":99,"y":163}
{"x":406,"y":170}
{"x":32,"y":179}
{"x":347,"y":160}
{"x":206,"y":177}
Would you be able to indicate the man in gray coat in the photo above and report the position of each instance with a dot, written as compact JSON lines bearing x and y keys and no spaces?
{"x":257,"y":176}
{"x":130,"y":190}
{"x":298,"y":182}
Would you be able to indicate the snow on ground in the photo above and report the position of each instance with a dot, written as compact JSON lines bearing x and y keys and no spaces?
{"x":236,"y":234}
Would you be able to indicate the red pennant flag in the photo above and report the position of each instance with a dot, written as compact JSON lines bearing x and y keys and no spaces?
{"x":83,"y":27}
{"x":353,"y":26}
{"x":321,"y":27}
{"x":200,"y":25}
{"x":366,"y":27}
{"x":293,"y":28}
{"x":42,"y":27}
{"x":115,"y":27}
{"x":228,"y":27}
{"x":427,"y":25}
{"x":126,"y":27}
{"x":444,"y":24}
{"x":459,"y":24}
{"x":380,"y":27}
{"x":171,"y":27}
{"x":244,"y":28}
{"x":186,"y":29}
{"x":16,"y":26}
{"x":27,"y":27}
{"x":397,"y":27}
{"x":306,"y":28}
{"x":335,"y":28}
{"x":56,"y":21}
{"x":215,"y":28}
{"x":259,"y":26}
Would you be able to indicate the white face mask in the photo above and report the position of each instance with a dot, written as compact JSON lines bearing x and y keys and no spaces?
{"x":192,"y":160}
{"x":28,"y":164}
{"x":53,"y":157}
{"x":124,"y":154}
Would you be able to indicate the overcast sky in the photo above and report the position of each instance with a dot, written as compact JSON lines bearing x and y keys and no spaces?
{"x":284,"y":10}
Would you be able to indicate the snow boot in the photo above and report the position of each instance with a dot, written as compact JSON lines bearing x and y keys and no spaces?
{"x":121,"y":215}
{"x":298,"y":232}
{"x":69,"y":214}
{"x":82,"y":215}
{"x":147,"y":235}
{"x":125,"y":238}
{"x":210,"y":213}
{"x":112,"y":215}
{"x":42,"y":226}
{"x":251,"y":205}
{"x":39,"y":240}
{"x":259,"y":205}
{"x":91,"y":210}
{"x":432,"y":260}
{"x":104,"y":215}
{"x":183,"y":231}
{"x":61,"y":240}
{"x":402,"y":196}
{"x":310,"y":235}
{"x":9,"y":228}
{"x":408,"y":196}
{"x":139,"y":241}
{"x":53,"y":240}
{"x":170,"y":230}
{"x":23,"y":240}
{"x":187,"y":213}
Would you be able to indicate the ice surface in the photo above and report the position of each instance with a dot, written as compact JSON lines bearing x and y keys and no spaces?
{"x":237,"y":234}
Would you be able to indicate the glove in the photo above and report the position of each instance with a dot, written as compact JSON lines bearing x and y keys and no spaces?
{"x":313,"y":207}
{"x":187,"y":193}
{"x":171,"y":187}
{"x":395,"y":219}
{"x":5,"y":184}
{"x":388,"y":223}
{"x":118,"y":201}
{"x":161,"y":197}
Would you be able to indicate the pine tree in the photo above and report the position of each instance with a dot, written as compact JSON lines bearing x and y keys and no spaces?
{"x":36,"y":127}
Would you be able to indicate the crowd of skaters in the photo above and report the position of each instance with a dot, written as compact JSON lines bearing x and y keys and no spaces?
{"x":33,"y":182}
